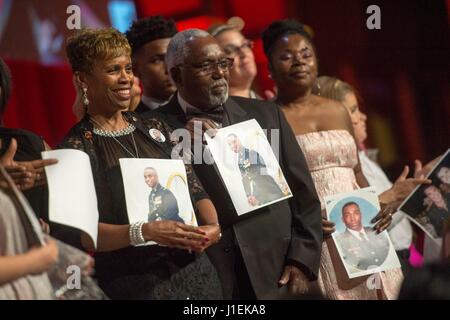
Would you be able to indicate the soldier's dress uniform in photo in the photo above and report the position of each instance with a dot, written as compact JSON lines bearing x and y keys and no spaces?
{"x":163,"y":205}
{"x":363,"y":250}
{"x":256,"y":181}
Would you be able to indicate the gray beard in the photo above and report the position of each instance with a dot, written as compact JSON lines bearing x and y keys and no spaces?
{"x":217,"y":100}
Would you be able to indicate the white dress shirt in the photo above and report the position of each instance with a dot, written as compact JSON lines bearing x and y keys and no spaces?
{"x":187,"y":106}
{"x":359,"y":234}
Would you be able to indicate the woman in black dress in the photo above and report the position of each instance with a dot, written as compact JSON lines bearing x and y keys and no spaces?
{"x":100,"y":60}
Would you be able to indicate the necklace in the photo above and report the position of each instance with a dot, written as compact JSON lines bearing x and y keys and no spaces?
{"x":113,"y":134}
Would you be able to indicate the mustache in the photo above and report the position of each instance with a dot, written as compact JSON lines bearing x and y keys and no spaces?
{"x":221,"y":82}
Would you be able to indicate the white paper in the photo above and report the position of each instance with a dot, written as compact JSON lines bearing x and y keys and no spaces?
{"x":72,"y":196}
{"x":270,"y":177}
{"x":374,"y":253}
{"x":171,"y":175}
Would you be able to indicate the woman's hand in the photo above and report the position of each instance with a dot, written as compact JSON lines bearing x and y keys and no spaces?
{"x":384,"y":218}
{"x":422,"y":171}
{"x":175,"y":234}
{"x":212,"y":233}
{"x":402,"y":187}
{"x":42,"y":258}
{"x":328,"y":227}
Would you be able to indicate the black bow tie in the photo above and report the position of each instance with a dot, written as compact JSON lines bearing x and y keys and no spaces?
{"x":215,"y":114}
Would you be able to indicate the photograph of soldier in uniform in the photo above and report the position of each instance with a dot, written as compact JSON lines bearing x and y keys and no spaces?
{"x":259,"y":186}
{"x":429,"y":205}
{"x":155,"y":190}
{"x":248,"y":166}
{"x":161,"y":201}
{"x":362,"y":250}
{"x":361,"y":247}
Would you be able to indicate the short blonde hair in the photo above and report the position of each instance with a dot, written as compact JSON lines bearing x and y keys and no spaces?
{"x":89,"y":45}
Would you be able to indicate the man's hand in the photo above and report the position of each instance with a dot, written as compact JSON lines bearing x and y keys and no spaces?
{"x":297,"y":281}
{"x":207,"y":126}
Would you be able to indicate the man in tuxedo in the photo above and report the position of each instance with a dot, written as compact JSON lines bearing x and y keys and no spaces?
{"x":259,"y":186}
{"x":263,"y":253}
{"x":361,"y":247}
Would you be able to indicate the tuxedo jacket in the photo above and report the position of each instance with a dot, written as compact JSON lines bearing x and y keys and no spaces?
{"x":289,"y":231}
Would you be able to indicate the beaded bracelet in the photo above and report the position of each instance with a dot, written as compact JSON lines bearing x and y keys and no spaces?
{"x":135,"y":234}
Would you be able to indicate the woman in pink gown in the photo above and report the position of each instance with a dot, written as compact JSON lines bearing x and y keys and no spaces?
{"x":324,"y":132}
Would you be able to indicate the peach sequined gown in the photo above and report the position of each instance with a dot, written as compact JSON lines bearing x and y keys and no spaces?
{"x":331,"y":157}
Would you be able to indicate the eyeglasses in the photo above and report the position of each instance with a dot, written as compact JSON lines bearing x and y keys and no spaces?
{"x":208,"y":67}
{"x":232,"y":50}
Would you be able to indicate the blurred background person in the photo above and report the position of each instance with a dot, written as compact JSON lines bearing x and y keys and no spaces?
{"x":149,"y":39}
{"x":240,"y":49}
{"x":101,"y":62}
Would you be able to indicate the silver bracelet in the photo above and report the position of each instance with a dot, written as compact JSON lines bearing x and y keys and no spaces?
{"x":135,"y":234}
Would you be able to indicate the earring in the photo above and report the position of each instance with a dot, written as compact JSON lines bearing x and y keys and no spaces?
{"x":85,"y":99}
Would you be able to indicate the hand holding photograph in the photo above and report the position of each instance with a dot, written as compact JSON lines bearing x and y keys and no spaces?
{"x":242,"y":153}
{"x":362,"y":251}
{"x":155,"y":190}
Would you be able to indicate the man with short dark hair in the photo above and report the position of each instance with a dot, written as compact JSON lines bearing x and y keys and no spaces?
{"x":149,"y":38}
{"x":276,"y":247}
{"x":361,"y":247}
